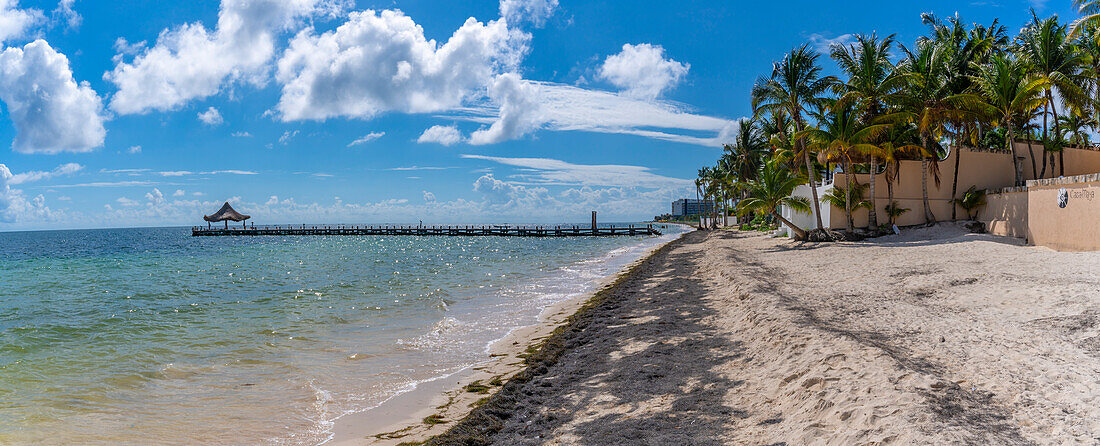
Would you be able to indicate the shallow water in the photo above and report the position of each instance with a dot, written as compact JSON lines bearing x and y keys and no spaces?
{"x":150,"y":336}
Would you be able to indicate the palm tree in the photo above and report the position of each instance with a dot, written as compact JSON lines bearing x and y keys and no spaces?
{"x":870,"y":80}
{"x":840,"y":135}
{"x":794,"y":86}
{"x":700,"y":182}
{"x":901,"y":140}
{"x":1076,"y":128}
{"x":1045,"y":47}
{"x":1008,"y":93}
{"x":744,"y":157}
{"x":966,"y":50}
{"x":771,"y":189}
{"x":928,"y":102}
{"x":1090,"y":9}
{"x":1088,"y":45}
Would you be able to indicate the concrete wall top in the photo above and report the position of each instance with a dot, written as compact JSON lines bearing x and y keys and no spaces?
{"x":1062,"y":181}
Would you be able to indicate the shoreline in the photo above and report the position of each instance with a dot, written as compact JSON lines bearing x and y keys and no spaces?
{"x":730,"y":337}
{"x":402,"y":418}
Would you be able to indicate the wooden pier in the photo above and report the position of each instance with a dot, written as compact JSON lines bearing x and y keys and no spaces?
{"x":454,"y":231}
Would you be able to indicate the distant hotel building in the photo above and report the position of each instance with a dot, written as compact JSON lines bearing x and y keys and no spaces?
{"x":687,"y":206}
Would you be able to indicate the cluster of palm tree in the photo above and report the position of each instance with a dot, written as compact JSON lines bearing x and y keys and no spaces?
{"x":959,"y":85}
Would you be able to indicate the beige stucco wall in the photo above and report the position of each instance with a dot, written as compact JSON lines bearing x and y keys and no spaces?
{"x":1005,"y":212}
{"x":985,"y":170}
{"x":1075,"y":227}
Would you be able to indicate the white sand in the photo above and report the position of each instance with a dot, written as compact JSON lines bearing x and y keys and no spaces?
{"x":932,"y":337}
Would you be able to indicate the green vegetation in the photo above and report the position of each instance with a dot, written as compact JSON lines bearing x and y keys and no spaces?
{"x":971,"y":201}
{"x":961,"y":84}
{"x":434,"y":419}
{"x":476,"y":387}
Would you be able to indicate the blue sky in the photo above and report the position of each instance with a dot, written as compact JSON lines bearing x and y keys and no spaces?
{"x":140,"y":113}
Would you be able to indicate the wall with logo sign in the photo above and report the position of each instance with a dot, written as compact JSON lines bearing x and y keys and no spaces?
{"x":1064,"y":213}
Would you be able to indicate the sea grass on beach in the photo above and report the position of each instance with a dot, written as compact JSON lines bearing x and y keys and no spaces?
{"x":479,"y":427}
{"x":937,"y":336}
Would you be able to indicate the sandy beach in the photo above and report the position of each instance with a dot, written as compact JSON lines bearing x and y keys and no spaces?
{"x":936,"y":336}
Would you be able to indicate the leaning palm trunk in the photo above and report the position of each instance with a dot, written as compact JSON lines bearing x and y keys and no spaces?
{"x":799,"y":233}
{"x":872,"y":216}
{"x":810,"y":177}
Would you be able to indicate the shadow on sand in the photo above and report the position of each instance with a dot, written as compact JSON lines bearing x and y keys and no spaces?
{"x":665,"y":323}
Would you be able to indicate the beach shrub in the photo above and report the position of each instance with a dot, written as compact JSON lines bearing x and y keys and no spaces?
{"x":972,"y":200}
{"x":894,"y":211}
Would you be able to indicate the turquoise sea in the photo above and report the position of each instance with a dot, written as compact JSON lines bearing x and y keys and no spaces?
{"x":151,"y":336}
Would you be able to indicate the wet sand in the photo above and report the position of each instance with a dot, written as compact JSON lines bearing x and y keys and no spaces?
{"x":404,"y":419}
{"x":936,"y":336}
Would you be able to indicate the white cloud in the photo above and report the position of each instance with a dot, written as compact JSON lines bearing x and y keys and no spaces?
{"x":50,"y":111}
{"x":367,"y":138}
{"x":569,"y":108}
{"x":127,"y":202}
{"x":419,"y":168}
{"x":179,"y":193}
{"x":15,"y":22}
{"x":287,"y":136}
{"x":155,"y":196}
{"x":642,"y":71}
{"x":104,"y":184}
{"x":126,"y":171}
{"x":824,"y":45}
{"x":378,"y":62}
{"x":211,"y":116}
{"x":190,"y":61}
{"x":534,"y":11}
{"x":66,"y":13}
{"x":500,"y":194}
{"x":14,"y":207}
{"x":36,"y":175}
{"x":181,"y":173}
{"x":134,"y":149}
{"x":441,"y":134}
{"x":519,"y":107}
{"x":556,"y":172}
{"x":242,"y":135}
{"x":429,"y":197}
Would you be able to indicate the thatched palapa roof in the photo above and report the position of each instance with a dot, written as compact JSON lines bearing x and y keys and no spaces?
{"x":226,"y":213}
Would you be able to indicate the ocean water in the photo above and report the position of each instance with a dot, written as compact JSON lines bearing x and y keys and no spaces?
{"x":151,"y":336}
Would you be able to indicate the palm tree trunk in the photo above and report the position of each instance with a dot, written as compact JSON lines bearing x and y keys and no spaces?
{"x":889,"y":194}
{"x":955,"y":181}
{"x":810,"y":176}
{"x":698,"y":194}
{"x":872,"y":216}
{"x":1054,"y":114}
{"x":799,"y":233}
{"x":1062,"y":162}
{"x":928,"y":217}
{"x":1031,"y":153}
{"x":850,"y":226}
{"x":1017,"y":167}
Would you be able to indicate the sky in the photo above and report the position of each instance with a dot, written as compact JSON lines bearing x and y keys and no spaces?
{"x":151,"y":113}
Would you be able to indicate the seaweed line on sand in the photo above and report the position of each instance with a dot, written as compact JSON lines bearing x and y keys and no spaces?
{"x":478,"y":427}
